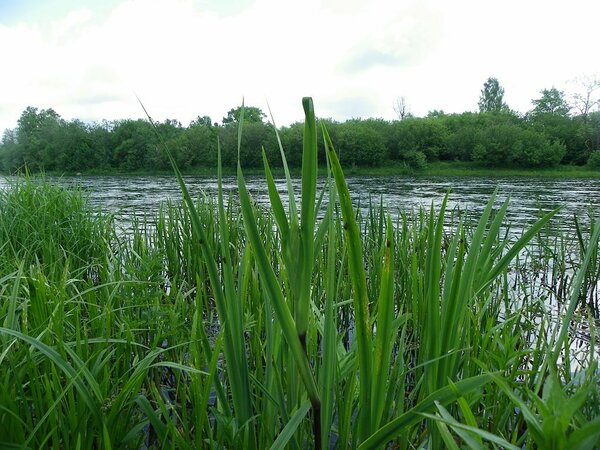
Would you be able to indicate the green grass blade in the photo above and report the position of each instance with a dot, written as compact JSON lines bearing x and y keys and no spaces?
{"x":384,"y":339}
{"x":575,"y":294}
{"x":443,"y":396}
{"x":273,"y":288}
{"x":359,"y":284}
{"x":275,"y":200}
{"x":516,"y":248}
{"x":330,"y":359}
{"x":307,"y":218}
{"x":291,"y":427}
{"x":288,"y":178}
{"x":240,"y":390}
{"x":63,"y":365}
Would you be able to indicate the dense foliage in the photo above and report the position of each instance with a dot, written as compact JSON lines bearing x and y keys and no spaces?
{"x":546,"y":136}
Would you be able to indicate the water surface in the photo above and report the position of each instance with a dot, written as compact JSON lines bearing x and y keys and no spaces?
{"x":125,"y":195}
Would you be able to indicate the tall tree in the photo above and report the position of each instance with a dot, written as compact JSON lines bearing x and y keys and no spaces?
{"x":552,"y":101}
{"x":201,"y":120}
{"x":252,"y":114}
{"x":37,"y":133}
{"x":492,"y":97}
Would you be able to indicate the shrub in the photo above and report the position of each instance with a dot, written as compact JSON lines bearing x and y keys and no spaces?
{"x":593,"y":161}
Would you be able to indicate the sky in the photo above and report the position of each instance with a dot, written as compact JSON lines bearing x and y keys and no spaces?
{"x":89,"y":59}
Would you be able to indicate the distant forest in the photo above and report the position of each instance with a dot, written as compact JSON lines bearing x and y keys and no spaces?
{"x":552,"y":133}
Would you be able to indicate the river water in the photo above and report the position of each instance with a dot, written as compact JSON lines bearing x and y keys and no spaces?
{"x":124,"y":196}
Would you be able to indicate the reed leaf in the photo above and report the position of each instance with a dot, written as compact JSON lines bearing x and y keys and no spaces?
{"x":359,"y":285}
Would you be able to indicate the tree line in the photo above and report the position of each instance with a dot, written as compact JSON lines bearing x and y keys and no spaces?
{"x":554,"y":132}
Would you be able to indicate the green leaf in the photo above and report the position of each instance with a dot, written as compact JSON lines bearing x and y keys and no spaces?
{"x":291,"y":427}
{"x":443,"y":396}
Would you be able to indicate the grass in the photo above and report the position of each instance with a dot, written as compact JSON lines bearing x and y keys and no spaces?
{"x":221,"y":324}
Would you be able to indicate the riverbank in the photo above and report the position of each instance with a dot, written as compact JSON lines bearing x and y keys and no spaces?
{"x":435,"y":169}
{"x":118,"y":340}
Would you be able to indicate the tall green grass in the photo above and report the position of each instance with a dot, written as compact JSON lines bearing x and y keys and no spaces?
{"x":219,"y":323}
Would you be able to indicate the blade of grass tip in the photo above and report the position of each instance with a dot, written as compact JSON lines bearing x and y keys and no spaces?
{"x":288,"y":178}
{"x":275,"y":199}
{"x":486,"y":255}
{"x":447,"y":418}
{"x":516,"y":248}
{"x":359,"y":284}
{"x":307,"y":219}
{"x":291,"y":427}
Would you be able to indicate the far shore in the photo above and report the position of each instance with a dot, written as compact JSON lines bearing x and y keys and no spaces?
{"x":435,"y":169}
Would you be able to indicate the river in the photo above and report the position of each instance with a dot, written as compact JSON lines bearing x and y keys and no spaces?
{"x":528,"y":196}
{"x":125,"y":195}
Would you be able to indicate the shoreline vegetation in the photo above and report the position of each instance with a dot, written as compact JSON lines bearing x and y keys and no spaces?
{"x":436,"y":169}
{"x":224,"y":324}
{"x":552,"y":138}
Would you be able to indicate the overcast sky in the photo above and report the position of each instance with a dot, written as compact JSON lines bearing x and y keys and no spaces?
{"x":87,"y":59}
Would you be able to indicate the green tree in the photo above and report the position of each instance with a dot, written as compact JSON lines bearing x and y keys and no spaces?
{"x":514,"y":145}
{"x":255,"y":136}
{"x":292,"y":141}
{"x":492,"y":97}
{"x":573,"y":132}
{"x":9,"y":151}
{"x":428,"y":136}
{"x":201,"y":120}
{"x":594,"y":160}
{"x":552,"y":101}
{"x":360,"y":145}
{"x":75,"y":148}
{"x":197,"y":146}
{"x":37,"y":133}
{"x":462,"y":132}
{"x":134,"y":145}
{"x":252,"y":114}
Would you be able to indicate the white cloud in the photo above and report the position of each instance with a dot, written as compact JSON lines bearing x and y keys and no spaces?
{"x":190,"y":57}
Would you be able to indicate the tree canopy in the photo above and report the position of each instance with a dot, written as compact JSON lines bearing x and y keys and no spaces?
{"x":252,"y":114}
{"x":552,"y":101}
{"x":492,"y":97}
{"x":494,"y":137}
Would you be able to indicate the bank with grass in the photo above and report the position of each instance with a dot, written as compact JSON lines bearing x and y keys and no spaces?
{"x":221,"y":324}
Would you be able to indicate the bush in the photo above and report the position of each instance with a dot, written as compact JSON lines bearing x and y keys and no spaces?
{"x":416,"y":160}
{"x":360,"y":145}
{"x":593,"y":161}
